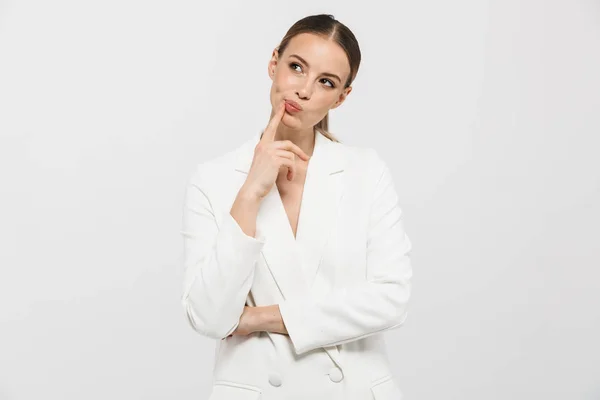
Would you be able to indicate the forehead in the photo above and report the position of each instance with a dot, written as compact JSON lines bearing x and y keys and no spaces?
{"x":321,"y":53}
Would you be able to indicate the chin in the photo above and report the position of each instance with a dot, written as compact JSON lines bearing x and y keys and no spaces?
{"x":289,"y":121}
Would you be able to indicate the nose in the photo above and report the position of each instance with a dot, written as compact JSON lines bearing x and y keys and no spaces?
{"x":305,"y":90}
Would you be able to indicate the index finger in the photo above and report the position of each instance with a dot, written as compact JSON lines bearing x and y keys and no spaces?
{"x":271,"y":129}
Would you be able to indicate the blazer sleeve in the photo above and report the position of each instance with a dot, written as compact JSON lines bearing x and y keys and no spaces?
{"x":218,"y":263}
{"x":376,"y":305}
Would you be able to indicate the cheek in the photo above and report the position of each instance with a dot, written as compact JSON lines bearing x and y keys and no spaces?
{"x":286,"y":80}
{"x":324,"y":102}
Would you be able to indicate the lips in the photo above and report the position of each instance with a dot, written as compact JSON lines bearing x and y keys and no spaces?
{"x":294,"y":105}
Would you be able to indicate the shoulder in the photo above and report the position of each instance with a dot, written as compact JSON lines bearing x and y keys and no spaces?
{"x":214,"y":170}
{"x":365,"y":161}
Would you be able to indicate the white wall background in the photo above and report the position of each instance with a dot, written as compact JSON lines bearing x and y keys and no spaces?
{"x":487,"y":111}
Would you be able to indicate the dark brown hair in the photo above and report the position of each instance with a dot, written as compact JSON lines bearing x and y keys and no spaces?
{"x":327,"y":26}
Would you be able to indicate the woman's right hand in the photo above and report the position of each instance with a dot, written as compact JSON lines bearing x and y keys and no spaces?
{"x":270,"y":156}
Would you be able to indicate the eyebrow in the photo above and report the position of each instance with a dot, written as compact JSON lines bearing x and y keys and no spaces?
{"x":324,"y":73}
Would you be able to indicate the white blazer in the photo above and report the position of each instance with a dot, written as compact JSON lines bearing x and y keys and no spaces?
{"x":339,"y":284}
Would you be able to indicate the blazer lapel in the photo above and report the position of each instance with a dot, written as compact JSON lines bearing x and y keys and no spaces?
{"x":320,"y":201}
{"x":294,"y":262}
{"x":323,"y":190}
{"x":280,"y":251}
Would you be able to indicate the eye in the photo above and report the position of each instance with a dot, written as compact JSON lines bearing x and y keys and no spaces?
{"x":292,"y":65}
{"x":332,"y":85}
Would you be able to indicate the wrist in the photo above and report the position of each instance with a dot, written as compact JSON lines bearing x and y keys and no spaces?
{"x":258,"y":318}
{"x":249,"y":196}
{"x":268,"y":319}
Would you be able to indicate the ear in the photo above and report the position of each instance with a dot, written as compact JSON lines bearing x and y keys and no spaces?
{"x":342,"y":97}
{"x":273,"y":63}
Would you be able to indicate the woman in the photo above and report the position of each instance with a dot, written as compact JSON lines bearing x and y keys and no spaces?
{"x":296,"y":259}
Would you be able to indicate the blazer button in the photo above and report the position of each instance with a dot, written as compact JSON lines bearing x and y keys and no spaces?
{"x":335,"y":374}
{"x":275,"y":379}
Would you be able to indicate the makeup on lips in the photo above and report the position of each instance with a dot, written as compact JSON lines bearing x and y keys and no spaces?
{"x":292,"y":107}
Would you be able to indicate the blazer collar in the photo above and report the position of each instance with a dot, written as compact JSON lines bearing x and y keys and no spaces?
{"x":326,"y":154}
